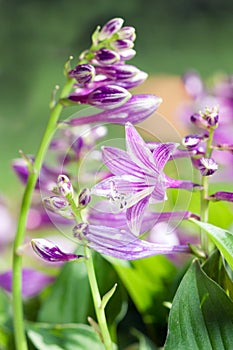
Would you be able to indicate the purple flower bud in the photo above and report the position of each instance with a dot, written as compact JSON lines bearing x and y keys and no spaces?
{"x":127,"y":32}
{"x":135,"y":110}
{"x":118,"y":71}
{"x":65,"y":187}
{"x":84,"y":197}
{"x":127,"y":55}
{"x":197,"y":120}
{"x":80,"y":231}
{"x":207,"y":166}
{"x":222,"y":196}
{"x":50,"y":252}
{"x":191,"y":141}
{"x":83,"y":73}
{"x":106,"y":56}
{"x":104,"y":97}
{"x":121,"y":45}
{"x":110,"y":28}
{"x":136,"y":80}
{"x":58,"y":205}
{"x":211,"y":116}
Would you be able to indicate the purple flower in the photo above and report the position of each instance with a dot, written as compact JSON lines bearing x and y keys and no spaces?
{"x":222,"y":196}
{"x":50,"y":252}
{"x":138,"y":177}
{"x":104,"y":97}
{"x":33,"y":282}
{"x":135,"y":110}
{"x":122,"y":244}
{"x":83,"y":73}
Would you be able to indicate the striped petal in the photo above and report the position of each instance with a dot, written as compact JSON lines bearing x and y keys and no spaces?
{"x":134,"y":215}
{"x":162,"y":154}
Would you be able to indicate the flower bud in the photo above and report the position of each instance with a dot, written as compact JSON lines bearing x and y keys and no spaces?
{"x":83,"y":73}
{"x":211,"y":116}
{"x":106,"y":56}
{"x":127,"y":55}
{"x":80,"y":230}
{"x":127,"y":32}
{"x":207,"y":166}
{"x":58,"y":205}
{"x":65,"y":187}
{"x":222,"y":196}
{"x":134,"y":81}
{"x":50,"y":252}
{"x":84,"y":197}
{"x":110,"y":28}
{"x":121,"y":45}
{"x":197,"y":120}
{"x":192,"y":141}
{"x":118,"y":71}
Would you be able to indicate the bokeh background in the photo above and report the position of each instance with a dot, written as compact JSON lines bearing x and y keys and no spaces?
{"x":36,"y":37}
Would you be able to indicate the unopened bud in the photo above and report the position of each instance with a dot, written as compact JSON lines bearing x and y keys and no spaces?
{"x":192,"y":141}
{"x":110,"y":28}
{"x":120,"y":45}
{"x":84,"y":197}
{"x":50,"y":252}
{"x":65,"y":187}
{"x":80,"y":231}
{"x":127,"y":55}
{"x":83,"y":73}
{"x":58,"y":205}
{"x":207,"y":166}
{"x":106,"y":56}
{"x":211,"y":115}
{"x":127,"y":32}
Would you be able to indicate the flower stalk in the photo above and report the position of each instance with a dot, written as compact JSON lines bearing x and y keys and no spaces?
{"x":20,"y":338}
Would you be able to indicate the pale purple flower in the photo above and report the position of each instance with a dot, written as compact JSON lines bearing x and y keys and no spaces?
{"x":121,"y":244}
{"x":135,"y":110}
{"x":138,"y":177}
{"x":32,"y":282}
{"x":50,"y":252}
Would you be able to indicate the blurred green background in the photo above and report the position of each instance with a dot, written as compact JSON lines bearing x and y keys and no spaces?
{"x":36,"y":38}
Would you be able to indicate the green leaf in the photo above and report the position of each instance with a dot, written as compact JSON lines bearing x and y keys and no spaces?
{"x":144,"y":342}
{"x":201,"y":317}
{"x":69,"y":297}
{"x":63,"y":337}
{"x":223,"y":239}
{"x":215,"y":268}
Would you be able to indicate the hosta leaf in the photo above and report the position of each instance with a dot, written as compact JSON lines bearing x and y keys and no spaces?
{"x":63,"y":337}
{"x":201,"y":316}
{"x":223,"y":239}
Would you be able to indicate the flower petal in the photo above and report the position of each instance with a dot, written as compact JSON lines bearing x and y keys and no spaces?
{"x":162,"y":154}
{"x":119,"y":162}
{"x":184,"y":184}
{"x":122,"y":244}
{"x":138,"y":150}
{"x":134,"y":215}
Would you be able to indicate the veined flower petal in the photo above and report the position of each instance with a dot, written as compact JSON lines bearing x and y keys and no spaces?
{"x":184,"y":184}
{"x":122,"y":244}
{"x":134,"y":215}
{"x":162,"y":154}
{"x":138,"y":149}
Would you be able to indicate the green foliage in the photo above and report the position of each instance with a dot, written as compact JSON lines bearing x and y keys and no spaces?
{"x":201,"y":316}
{"x":63,"y":337}
{"x":223,"y":239}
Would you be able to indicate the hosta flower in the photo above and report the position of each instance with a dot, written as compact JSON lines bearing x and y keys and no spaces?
{"x":50,"y":252}
{"x":120,"y":243}
{"x":138,"y":177}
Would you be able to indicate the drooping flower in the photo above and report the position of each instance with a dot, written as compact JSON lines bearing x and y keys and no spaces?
{"x":138,"y":176}
{"x":120,"y":243}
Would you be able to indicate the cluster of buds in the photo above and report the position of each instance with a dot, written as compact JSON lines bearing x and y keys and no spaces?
{"x":63,"y":203}
{"x":102,"y":76}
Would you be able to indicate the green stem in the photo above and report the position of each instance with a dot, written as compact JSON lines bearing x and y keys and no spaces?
{"x":20,"y":338}
{"x":99,"y":309}
{"x":204,"y":194}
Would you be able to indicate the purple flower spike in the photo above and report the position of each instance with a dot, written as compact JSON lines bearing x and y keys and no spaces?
{"x":83,"y":73}
{"x":138,"y":176}
{"x":106,"y":56}
{"x":104,"y":97}
{"x":50,"y":252}
{"x":110,"y":28}
{"x":33,"y":282}
{"x":207,"y":166}
{"x":222,"y":196}
{"x":122,"y":244}
{"x":135,"y":110}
